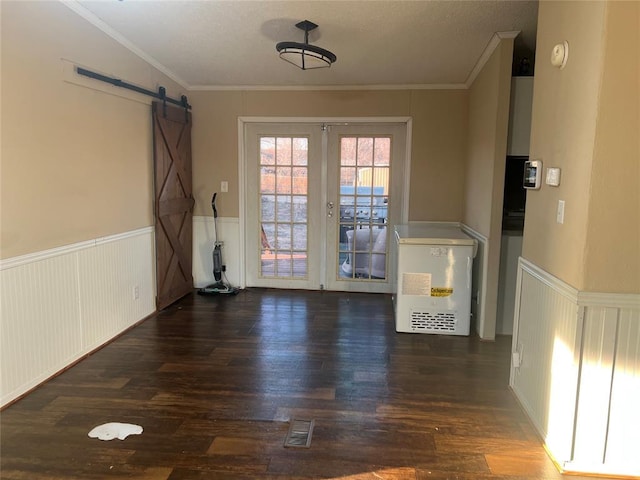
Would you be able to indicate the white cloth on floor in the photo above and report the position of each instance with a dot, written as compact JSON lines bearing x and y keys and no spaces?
{"x":109,"y":431}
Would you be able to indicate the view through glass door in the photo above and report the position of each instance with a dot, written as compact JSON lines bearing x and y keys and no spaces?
{"x":320,"y":203}
{"x":366,"y":173}
{"x":283,"y":246}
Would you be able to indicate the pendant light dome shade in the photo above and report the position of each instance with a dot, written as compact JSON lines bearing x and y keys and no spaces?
{"x":304,"y":55}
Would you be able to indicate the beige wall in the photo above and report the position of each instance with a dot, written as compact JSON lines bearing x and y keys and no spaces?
{"x":438,"y":155}
{"x":486,"y":158}
{"x":585,"y":121}
{"x":75,"y":162}
{"x":438,"y":149}
{"x":612,"y":254}
{"x":563,"y":126}
{"x":486,"y":150}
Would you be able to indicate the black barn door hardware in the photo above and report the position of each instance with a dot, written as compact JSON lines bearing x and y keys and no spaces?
{"x":161,"y":94}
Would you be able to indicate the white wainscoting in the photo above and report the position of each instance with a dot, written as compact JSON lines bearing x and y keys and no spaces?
{"x":60,"y":304}
{"x":478,"y":278}
{"x":203,"y":238}
{"x":578,"y":376}
{"x":607,"y":437}
{"x":546,"y":337}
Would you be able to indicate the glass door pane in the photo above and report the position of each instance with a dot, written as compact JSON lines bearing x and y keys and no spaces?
{"x":283,"y":207}
{"x":363,"y":199}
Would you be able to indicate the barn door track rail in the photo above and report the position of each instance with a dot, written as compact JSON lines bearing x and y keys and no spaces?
{"x":161,"y":94}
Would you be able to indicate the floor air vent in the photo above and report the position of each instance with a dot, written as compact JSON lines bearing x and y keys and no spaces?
{"x":433,"y":321}
{"x":299,"y":434}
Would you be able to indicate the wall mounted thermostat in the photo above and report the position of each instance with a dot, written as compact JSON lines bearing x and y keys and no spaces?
{"x":532,"y":174}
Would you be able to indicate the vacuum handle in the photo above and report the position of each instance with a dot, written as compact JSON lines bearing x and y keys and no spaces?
{"x":213,"y":205}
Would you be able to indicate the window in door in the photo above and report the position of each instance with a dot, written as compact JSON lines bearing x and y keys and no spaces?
{"x":363,"y":200}
{"x":283,"y":207}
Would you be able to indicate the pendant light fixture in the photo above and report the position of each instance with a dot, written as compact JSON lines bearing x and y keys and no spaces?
{"x":304,"y":55}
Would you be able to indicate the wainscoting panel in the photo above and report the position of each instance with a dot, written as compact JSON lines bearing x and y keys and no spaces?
{"x":608,"y":420}
{"x":545,"y":337}
{"x":58,"y":305}
{"x":596,"y":373}
{"x":41,"y":329}
{"x":115,"y":294}
{"x":203,"y":238}
{"x":576,"y":371}
{"x":624,"y":415}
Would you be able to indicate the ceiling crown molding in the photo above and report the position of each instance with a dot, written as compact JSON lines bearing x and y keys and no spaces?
{"x":96,"y":22}
{"x":488,"y":51}
{"x":76,"y":7}
{"x":205,"y":88}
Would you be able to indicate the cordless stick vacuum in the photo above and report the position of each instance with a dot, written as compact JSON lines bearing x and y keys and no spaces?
{"x":220,"y":287}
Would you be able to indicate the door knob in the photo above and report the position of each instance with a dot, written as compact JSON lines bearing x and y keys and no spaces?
{"x":329,"y":209}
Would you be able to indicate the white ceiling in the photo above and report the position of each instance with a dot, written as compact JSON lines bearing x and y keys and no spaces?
{"x":218,"y":44}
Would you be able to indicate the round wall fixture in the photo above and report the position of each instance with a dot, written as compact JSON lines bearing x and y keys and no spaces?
{"x":559,"y":55}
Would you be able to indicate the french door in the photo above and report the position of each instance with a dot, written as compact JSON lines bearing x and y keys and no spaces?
{"x":321,"y":201}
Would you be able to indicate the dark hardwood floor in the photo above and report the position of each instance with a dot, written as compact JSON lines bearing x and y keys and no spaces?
{"x":214,"y":381}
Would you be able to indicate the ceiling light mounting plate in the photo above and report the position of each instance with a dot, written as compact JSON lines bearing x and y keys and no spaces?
{"x":306,"y":26}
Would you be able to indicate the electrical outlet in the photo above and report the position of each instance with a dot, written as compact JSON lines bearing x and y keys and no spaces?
{"x":136,"y":292}
{"x":515,"y":359}
{"x":224,"y":186}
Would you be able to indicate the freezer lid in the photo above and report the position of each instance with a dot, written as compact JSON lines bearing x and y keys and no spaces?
{"x":424,"y":234}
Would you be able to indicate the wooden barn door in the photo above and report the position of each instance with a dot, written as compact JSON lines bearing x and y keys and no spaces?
{"x":173,"y":203}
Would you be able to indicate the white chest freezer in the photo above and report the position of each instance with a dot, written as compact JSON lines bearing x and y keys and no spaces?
{"x":433,"y":288}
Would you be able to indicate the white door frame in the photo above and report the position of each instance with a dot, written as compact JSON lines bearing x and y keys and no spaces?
{"x":242,"y":167}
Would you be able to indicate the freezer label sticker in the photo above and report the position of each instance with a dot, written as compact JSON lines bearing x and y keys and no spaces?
{"x":441,"y":291}
{"x":416,"y":284}
{"x":439,"y":251}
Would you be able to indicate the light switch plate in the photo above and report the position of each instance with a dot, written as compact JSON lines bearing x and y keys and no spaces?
{"x":553,"y":176}
{"x":560,"y":212}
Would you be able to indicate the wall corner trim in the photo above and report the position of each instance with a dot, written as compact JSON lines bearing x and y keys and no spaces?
{"x":481,"y":262}
{"x":549,"y":280}
{"x":488,"y":51}
{"x":474,"y":233}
